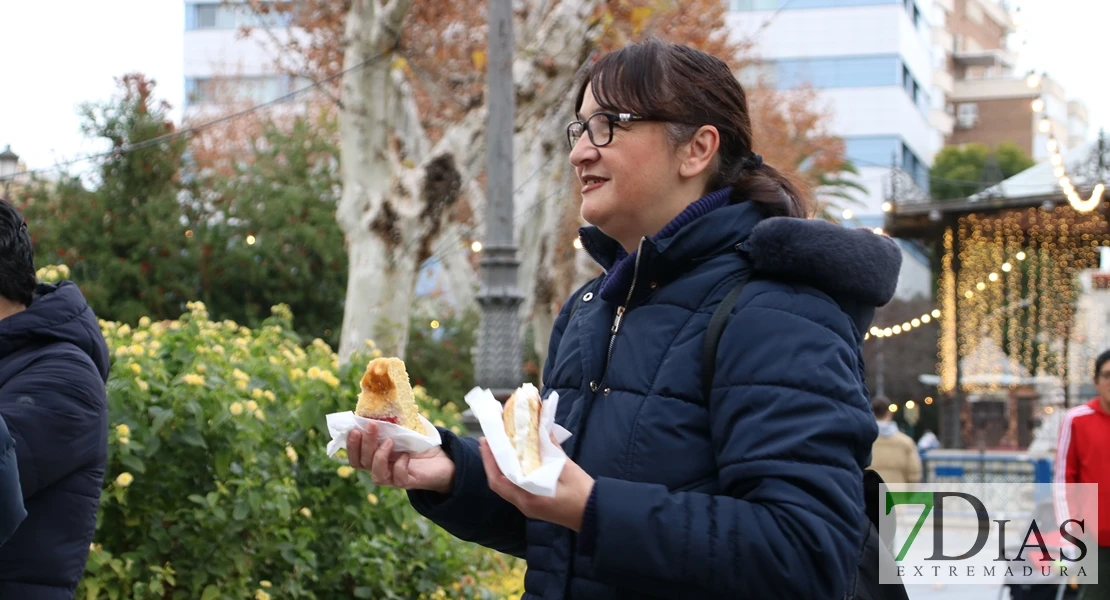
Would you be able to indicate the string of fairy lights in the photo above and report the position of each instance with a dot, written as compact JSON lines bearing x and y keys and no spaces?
{"x":1013,"y":298}
{"x":1046,"y":126}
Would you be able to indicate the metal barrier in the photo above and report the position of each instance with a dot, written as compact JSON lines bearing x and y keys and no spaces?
{"x":948,"y":466}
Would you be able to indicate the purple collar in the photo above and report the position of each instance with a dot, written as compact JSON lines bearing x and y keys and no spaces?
{"x":615,"y":286}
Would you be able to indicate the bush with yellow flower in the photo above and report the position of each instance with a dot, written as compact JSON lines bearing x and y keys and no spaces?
{"x":218,"y":485}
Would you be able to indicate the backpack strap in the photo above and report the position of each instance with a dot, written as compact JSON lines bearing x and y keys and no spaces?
{"x":713,"y":333}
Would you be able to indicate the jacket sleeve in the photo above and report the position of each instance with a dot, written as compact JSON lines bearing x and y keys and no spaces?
{"x":472,"y":512}
{"x":1066,"y":470}
{"x":56,"y":411}
{"x":790,"y":426}
{"x":12,"y":512}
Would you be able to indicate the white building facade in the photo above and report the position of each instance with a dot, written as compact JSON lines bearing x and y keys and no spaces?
{"x":871,"y":61}
{"x":221,"y":66}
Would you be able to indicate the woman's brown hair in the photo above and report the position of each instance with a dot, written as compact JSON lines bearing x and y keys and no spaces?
{"x":688,"y":89}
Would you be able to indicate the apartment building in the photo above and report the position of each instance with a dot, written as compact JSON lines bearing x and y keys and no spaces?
{"x":979,"y":94}
{"x":221,"y":67}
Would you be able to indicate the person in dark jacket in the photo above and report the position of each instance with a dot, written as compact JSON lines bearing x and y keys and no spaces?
{"x":53,"y":369}
{"x":755,"y":491}
{"x":12,"y":511}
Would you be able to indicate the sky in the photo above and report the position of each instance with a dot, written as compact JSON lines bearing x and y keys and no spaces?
{"x":58,"y":54}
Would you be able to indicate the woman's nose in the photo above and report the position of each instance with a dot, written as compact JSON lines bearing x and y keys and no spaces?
{"x":583,"y":152}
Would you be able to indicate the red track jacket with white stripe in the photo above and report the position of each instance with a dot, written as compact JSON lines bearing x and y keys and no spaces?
{"x":1083,"y":456}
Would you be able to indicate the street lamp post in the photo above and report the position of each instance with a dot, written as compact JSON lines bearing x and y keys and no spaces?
{"x":9,"y":167}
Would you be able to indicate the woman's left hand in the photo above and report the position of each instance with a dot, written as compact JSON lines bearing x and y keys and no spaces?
{"x":565,"y":508}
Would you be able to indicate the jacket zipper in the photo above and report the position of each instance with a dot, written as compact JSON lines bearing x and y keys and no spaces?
{"x":596,"y":385}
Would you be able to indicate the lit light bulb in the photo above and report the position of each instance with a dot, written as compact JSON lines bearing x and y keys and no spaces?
{"x":876,"y":331}
{"x":993,"y":276}
{"x":1059,"y":172}
{"x":1057,"y":160}
{"x":434,"y":324}
{"x":886,"y":206}
{"x":1038,"y":105}
{"x":1021,"y":256}
{"x":926,"y":318}
{"x":897,"y":329}
{"x":980,"y":286}
{"x":847,"y":214}
{"x":1007,"y":267}
{"x":250,"y":240}
{"x":906,"y":326}
{"x":878,"y":231}
{"x":1053,"y":145}
{"x":910,"y":404}
{"x":916,"y":322}
{"x":476,"y":246}
{"x":1044,"y":126}
{"x":577,"y":244}
{"x":893,"y":407}
{"x":929,"y":400}
{"x":1033,"y":80}
{"x":888,"y":332}
{"x":936,"y":314}
{"x":969,"y":294}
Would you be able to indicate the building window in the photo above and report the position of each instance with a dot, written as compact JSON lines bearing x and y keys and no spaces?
{"x":254,"y":90}
{"x":873,"y":150}
{"x":915,"y":167}
{"x":217,"y":15}
{"x":967,"y":115}
{"x":751,"y":5}
{"x":837,"y":72}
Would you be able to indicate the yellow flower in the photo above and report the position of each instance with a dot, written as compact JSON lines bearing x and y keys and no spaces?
{"x":175,"y":325}
{"x":140,"y":336}
{"x":122,"y":351}
{"x":265,"y":584}
{"x":261,"y":595}
{"x":269,"y":395}
{"x":125,"y":441}
{"x":156,"y":345}
{"x":345,"y":471}
{"x":419,"y":391}
{"x":63,"y":270}
{"x":439,"y":423}
{"x":241,"y":386}
{"x":370,"y":344}
{"x":201,"y":368}
{"x":257,"y":394}
{"x":258,"y":414}
{"x":143,"y":386}
{"x":193,"y":379}
{"x":341,"y":454}
{"x":291,"y":453}
{"x":218,"y":349}
{"x":124,"y":329}
{"x":240,"y":376}
{"x":306,"y":512}
{"x":136,"y":349}
{"x":144,"y":322}
{"x":195,"y":306}
{"x":252,"y":405}
{"x":123,"y":430}
{"x":376,"y":353}
{"x":236,"y":409}
{"x":124,"y":479}
{"x":241,"y":344}
{"x":296,"y":374}
{"x":331,"y":380}
{"x":314,"y":372}
{"x":274,"y":360}
{"x":372,"y":499}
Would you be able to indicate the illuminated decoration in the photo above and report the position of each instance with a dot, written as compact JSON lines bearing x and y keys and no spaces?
{"x":906,"y":327}
{"x":1013,"y":297}
{"x":1044,"y":125}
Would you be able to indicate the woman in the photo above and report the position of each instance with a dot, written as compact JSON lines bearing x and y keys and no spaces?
{"x":752,"y":492}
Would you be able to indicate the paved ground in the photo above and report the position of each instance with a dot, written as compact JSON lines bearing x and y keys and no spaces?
{"x":954,"y":592}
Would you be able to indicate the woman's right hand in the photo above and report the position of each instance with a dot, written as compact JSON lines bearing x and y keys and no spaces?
{"x":432,"y":470}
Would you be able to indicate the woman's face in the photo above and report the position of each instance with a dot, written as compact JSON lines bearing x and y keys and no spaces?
{"x":626,"y":181}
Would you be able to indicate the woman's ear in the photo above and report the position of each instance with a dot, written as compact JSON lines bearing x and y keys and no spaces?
{"x":697,"y":154}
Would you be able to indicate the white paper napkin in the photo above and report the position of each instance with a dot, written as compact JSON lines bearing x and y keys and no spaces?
{"x":543,"y":480}
{"x":404,"y":439}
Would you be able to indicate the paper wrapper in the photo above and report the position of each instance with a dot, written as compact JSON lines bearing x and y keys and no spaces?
{"x":543,"y":480}
{"x":404,"y":439}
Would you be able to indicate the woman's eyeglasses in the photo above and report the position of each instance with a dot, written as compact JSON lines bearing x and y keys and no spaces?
{"x":599,"y":126}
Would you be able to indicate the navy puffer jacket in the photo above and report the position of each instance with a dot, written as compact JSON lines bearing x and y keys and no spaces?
{"x":754,"y":492}
{"x":53,"y":368}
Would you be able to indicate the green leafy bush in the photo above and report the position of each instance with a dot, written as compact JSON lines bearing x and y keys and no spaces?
{"x":218,"y":485}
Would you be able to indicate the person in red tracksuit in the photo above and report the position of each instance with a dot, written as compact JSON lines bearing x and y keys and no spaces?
{"x":1083,"y":456}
